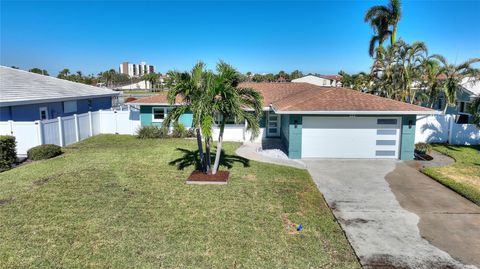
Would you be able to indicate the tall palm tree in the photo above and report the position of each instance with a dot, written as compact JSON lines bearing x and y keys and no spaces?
{"x":381,"y":32}
{"x":409,"y":59}
{"x":454,"y":74}
{"x":431,"y":79}
{"x":231,"y":102}
{"x":391,"y":14}
{"x":189,"y":89}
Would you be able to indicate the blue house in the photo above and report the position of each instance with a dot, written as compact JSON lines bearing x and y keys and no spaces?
{"x":317,"y":122}
{"x":26,"y":96}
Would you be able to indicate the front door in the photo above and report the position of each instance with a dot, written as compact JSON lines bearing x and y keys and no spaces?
{"x":43,"y":113}
{"x":273,"y":124}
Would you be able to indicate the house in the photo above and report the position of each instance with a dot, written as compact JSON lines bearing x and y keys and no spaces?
{"x":319,"y":122}
{"x":321,"y":80}
{"x":26,"y":96}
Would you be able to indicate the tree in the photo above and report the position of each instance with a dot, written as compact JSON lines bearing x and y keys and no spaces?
{"x":64,"y":73}
{"x":474,"y":109}
{"x":381,"y":31}
{"x":39,"y":71}
{"x":454,"y":74}
{"x":296,"y":74}
{"x":152,"y":78}
{"x":189,"y":89}
{"x":384,"y":17}
{"x":230,"y":103}
{"x":431,"y":79}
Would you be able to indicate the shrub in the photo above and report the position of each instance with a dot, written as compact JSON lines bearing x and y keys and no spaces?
{"x":179,"y":130}
{"x":423,"y":148}
{"x":150,"y":131}
{"x":43,"y":152}
{"x":8,"y":153}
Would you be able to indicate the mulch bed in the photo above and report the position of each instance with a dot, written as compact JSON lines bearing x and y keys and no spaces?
{"x":199,"y":176}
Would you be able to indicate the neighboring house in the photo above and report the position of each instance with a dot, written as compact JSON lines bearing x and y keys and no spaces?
{"x":141,"y":85}
{"x":320,"y":122}
{"x":322,"y":80}
{"x":136,"y":70}
{"x":26,"y":96}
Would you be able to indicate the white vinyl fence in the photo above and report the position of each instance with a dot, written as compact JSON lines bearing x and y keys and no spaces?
{"x":443,"y":129}
{"x":64,"y":131}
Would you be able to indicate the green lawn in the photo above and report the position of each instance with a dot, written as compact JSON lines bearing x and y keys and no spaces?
{"x":464,"y":175}
{"x":114,"y":201}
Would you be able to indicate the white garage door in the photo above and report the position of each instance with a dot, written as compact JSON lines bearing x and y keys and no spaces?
{"x":350,"y":137}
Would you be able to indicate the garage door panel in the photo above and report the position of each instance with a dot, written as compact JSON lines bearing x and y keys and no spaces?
{"x":337,"y":137}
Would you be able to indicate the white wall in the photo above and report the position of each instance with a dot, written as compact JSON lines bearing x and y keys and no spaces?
{"x":443,"y":129}
{"x":64,"y":131}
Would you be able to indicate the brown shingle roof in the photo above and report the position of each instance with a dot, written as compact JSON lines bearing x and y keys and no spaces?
{"x":309,"y":98}
{"x":305,"y":97}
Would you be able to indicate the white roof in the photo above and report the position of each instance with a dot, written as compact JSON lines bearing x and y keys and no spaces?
{"x":18,"y":87}
{"x":310,"y":79}
{"x":472,"y":85}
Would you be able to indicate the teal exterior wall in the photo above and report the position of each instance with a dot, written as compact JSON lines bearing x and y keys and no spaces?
{"x":295,"y":136}
{"x":407,"y":138}
{"x":285,"y":130}
{"x":146,"y":117}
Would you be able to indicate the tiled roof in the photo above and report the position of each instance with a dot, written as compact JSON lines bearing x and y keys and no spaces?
{"x":305,"y":97}
{"x":159,"y":99}
{"x":22,"y":87}
{"x":332,"y":77}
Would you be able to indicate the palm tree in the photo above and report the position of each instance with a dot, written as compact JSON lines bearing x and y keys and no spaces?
{"x":409,"y":58}
{"x":474,"y":109}
{"x":390,"y":15}
{"x":431,"y":79}
{"x":64,"y":73}
{"x":191,"y":87}
{"x":380,"y":27}
{"x":152,"y":78}
{"x":454,"y":75}
{"x":231,"y":102}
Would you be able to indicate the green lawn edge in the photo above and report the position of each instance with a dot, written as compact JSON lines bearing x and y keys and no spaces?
{"x":466,"y":190}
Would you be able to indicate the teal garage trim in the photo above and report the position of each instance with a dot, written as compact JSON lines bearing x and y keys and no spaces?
{"x":295,"y":137}
{"x":407,"y":138}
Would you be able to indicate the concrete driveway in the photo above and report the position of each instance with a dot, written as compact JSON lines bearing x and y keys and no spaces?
{"x":396,"y":217}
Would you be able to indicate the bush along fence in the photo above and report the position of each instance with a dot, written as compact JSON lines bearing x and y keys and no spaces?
{"x":63,"y":131}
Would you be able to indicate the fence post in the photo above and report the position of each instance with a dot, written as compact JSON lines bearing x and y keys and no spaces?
{"x":450,"y":129}
{"x":115,"y":117}
{"x":60,"y":131}
{"x":10,"y":123}
{"x":77,"y":131}
{"x":39,"y":131}
{"x":90,"y":122}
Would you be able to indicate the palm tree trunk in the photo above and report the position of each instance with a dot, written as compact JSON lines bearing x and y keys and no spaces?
{"x":393,"y":37}
{"x":208,"y":161}
{"x":219,"y":149}
{"x":200,"y":149}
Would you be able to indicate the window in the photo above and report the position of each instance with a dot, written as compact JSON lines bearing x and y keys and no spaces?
{"x":159,"y":114}
{"x":228,"y":121}
{"x":387,"y":121}
{"x":386,"y":132}
{"x":385,"y":153}
{"x":43,"y":113}
{"x":386,"y":142}
{"x":69,"y":106}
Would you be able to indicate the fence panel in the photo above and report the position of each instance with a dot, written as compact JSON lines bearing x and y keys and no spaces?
{"x":84,"y":126}
{"x":96,"y":123}
{"x":50,"y":132}
{"x":432,"y":129}
{"x":109,"y":124}
{"x":465,"y":134}
{"x":69,"y":130}
{"x":5,"y":128}
{"x":26,"y":135}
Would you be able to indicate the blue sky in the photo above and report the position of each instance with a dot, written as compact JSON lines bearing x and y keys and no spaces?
{"x":322,"y":37}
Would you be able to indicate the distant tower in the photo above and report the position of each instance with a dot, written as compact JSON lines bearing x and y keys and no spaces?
{"x":136,"y":70}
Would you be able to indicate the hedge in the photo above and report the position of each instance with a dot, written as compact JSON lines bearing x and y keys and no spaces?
{"x":8,"y":152}
{"x":42,"y":152}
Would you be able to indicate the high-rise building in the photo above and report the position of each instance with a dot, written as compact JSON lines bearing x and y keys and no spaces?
{"x":136,"y":70}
